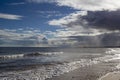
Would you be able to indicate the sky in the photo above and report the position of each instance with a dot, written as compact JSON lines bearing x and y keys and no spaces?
{"x":59,"y":23}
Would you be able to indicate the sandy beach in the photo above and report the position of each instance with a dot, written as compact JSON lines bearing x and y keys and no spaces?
{"x":111,"y":76}
{"x":93,"y":72}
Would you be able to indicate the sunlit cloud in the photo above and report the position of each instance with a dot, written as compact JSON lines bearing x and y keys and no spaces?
{"x":67,"y":19}
{"x":10,"y":16}
{"x":89,"y":5}
{"x":22,"y":37}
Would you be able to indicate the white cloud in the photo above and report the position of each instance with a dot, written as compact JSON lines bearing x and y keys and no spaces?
{"x":20,"y":3}
{"x":89,"y":5}
{"x":22,"y":37}
{"x":16,"y":34}
{"x":33,"y":38}
{"x":10,"y":16}
{"x":73,"y":28}
{"x":67,"y":19}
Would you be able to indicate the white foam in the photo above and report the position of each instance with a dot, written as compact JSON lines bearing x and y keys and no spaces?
{"x":11,"y":56}
{"x":112,"y":54}
{"x":46,"y":72}
{"x":52,"y":53}
{"x":113,"y":51}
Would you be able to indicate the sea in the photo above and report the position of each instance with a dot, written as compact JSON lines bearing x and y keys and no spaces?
{"x":40,"y":63}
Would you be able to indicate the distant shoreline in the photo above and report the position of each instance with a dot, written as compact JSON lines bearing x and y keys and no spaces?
{"x":67,"y":47}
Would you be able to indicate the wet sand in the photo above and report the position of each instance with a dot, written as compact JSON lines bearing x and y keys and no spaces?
{"x":111,"y":76}
{"x":93,"y":72}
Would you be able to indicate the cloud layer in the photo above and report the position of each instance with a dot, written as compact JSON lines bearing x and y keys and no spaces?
{"x":91,"y":28}
{"x":10,"y":16}
{"x":89,"y":5}
{"x":109,"y":20}
{"x":95,"y":24}
{"x":20,"y":37}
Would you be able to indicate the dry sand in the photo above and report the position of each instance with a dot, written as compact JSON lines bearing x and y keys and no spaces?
{"x":93,"y":72}
{"x":111,"y":76}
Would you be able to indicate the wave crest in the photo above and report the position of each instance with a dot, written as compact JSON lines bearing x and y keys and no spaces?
{"x":29,"y":55}
{"x":11,"y":56}
{"x":113,"y":51}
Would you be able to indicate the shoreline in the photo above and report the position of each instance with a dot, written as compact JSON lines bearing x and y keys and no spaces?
{"x":92,"y":72}
{"x":111,"y":76}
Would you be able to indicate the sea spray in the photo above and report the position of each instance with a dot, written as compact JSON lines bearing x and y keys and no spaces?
{"x":45,"y":72}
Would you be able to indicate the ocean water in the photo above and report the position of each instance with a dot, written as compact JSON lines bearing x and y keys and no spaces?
{"x":24,"y":63}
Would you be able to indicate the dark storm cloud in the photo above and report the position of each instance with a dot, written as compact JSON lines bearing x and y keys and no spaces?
{"x":107,"y":39}
{"x":112,"y":39}
{"x":87,"y":41}
{"x":109,"y":20}
{"x":1,"y":42}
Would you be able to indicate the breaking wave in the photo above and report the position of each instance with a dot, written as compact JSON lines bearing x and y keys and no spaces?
{"x":14,"y":56}
{"x":46,"y":72}
{"x":115,"y":55}
{"x":113,"y":51}
{"x":11,"y":56}
{"x":111,"y":54}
